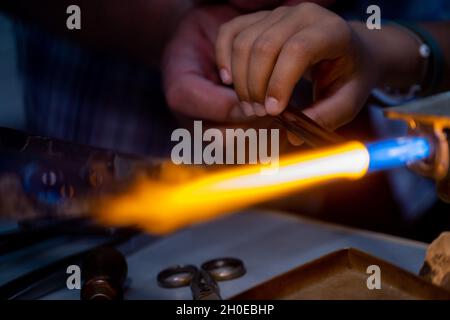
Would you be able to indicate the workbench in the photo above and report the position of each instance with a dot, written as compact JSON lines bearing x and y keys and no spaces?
{"x":269,"y":243}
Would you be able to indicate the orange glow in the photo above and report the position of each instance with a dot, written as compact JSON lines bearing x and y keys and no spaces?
{"x":161,"y":207}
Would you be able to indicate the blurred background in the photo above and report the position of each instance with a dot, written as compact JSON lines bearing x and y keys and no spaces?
{"x":11,"y":96}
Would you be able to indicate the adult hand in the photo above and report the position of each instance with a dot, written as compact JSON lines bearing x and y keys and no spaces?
{"x":191,"y":77}
{"x":192,"y":84}
{"x":265,"y":54}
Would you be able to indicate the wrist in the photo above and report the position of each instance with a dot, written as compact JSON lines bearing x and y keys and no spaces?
{"x":394,"y":53}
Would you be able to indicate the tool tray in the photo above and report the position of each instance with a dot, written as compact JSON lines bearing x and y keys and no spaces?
{"x":342,"y":275}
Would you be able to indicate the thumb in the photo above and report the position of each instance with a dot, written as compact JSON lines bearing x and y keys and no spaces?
{"x":339,"y":108}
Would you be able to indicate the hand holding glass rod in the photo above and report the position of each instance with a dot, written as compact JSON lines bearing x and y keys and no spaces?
{"x":295,"y":121}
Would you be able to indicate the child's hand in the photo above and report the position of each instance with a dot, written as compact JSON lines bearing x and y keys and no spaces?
{"x":265,"y":54}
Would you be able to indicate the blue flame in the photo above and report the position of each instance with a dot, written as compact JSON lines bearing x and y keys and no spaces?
{"x":393,"y":153}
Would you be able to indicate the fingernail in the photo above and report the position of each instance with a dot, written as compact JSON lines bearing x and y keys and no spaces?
{"x":236,"y":113}
{"x":272,"y":106}
{"x":259,"y":109}
{"x":225,"y":76}
{"x":247,"y":108}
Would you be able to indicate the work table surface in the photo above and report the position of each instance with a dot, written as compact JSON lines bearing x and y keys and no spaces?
{"x":269,"y":243}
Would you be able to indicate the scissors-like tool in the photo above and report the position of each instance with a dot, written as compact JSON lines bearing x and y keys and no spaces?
{"x":203,"y":281}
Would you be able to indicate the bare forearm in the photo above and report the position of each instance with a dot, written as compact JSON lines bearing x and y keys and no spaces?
{"x":139,"y":28}
{"x":396,"y":52}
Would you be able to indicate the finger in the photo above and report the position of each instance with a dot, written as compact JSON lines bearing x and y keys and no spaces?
{"x":240,"y":59}
{"x":242,"y":48}
{"x":225,"y":38}
{"x":190,"y":83}
{"x":265,"y":51}
{"x":300,"y":52}
{"x":259,"y":109}
{"x":236,"y":113}
{"x":339,"y":108}
{"x":187,"y":96}
{"x":247,"y":108}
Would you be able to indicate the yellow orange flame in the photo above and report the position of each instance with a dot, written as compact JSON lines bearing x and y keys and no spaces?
{"x":161,"y":207}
